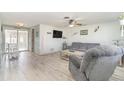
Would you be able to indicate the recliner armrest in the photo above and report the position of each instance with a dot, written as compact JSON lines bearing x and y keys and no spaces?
{"x":75,"y":60}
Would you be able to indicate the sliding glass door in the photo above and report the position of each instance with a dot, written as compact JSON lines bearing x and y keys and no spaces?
{"x":10,"y":39}
{"x":22,"y":40}
{"x":16,"y":37}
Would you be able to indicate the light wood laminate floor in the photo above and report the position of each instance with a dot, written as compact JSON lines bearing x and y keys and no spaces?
{"x":30,"y":66}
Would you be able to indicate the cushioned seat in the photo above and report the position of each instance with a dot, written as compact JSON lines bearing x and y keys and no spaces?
{"x":97,"y":64}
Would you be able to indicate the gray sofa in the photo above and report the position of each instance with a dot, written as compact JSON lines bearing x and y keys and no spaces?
{"x":77,"y":46}
{"x":97,"y":64}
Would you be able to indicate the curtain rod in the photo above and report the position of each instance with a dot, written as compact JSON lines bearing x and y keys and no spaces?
{"x":15,"y":26}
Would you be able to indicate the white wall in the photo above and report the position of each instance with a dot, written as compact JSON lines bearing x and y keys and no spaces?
{"x":0,"y":37}
{"x":0,"y":33}
{"x":45,"y":43}
{"x":48,"y":44}
{"x":30,"y":39}
{"x":105,"y":35}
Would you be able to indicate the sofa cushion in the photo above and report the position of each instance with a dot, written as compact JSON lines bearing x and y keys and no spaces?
{"x":92,"y":45}
{"x":83,"y":46}
{"x":75,"y":45}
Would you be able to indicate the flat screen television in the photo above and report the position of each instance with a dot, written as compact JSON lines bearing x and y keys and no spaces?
{"x":57,"y":34}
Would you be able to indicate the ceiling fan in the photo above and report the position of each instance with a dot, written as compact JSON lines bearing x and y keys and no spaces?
{"x":74,"y":22}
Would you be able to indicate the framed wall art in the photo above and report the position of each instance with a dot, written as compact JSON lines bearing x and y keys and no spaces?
{"x":83,"y":32}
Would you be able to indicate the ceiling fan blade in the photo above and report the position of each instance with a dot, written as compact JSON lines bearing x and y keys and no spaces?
{"x":67,"y":18}
{"x":71,"y":21}
{"x":79,"y":24}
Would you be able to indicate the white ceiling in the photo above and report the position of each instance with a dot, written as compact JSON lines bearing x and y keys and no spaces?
{"x":57,"y":18}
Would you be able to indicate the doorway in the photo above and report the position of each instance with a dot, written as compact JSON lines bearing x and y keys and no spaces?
{"x":32,"y":48}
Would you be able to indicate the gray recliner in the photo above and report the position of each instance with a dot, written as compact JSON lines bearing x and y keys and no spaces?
{"x":97,"y":64}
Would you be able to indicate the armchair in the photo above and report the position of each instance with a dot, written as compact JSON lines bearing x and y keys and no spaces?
{"x":97,"y":64}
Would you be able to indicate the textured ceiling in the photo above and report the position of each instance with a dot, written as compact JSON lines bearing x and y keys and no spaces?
{"x":56,"y":18}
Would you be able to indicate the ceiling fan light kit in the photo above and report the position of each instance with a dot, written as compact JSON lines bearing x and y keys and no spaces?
{"x":71,"y":25}
{"x":66,"y":17}
{"x":73,"y":21}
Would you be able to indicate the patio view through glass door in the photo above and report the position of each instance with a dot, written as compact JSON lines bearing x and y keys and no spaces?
{"x":22,"y":40}
{"x":10,"y":40}
{"x":16,"y":38}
